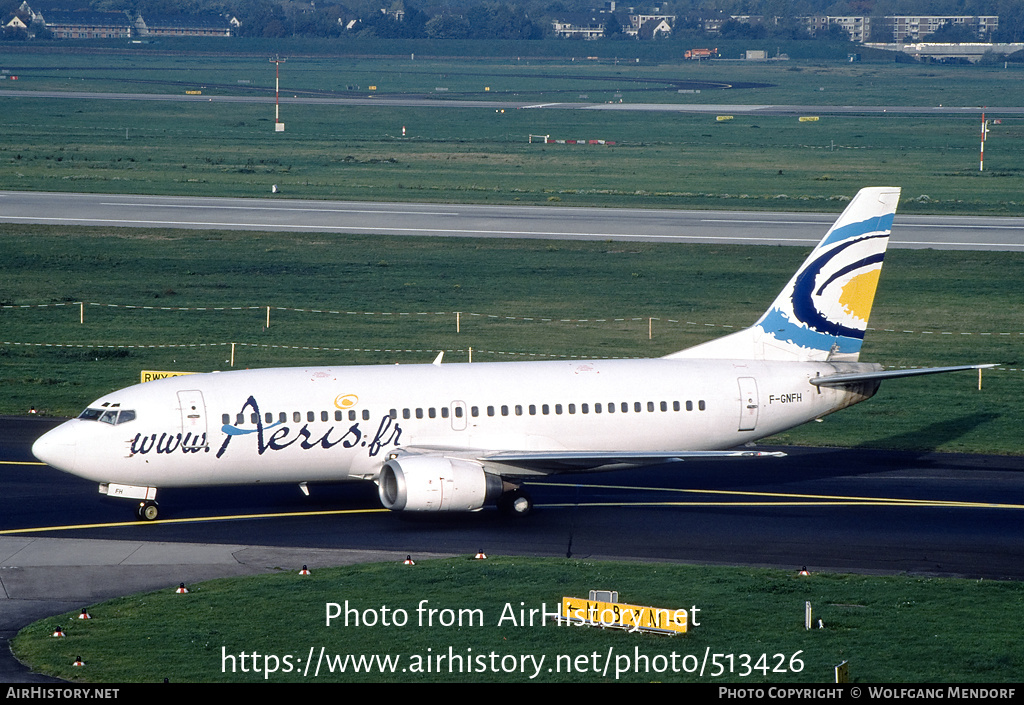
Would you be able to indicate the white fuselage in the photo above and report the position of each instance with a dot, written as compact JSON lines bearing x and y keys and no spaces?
{"x":341,"y":423}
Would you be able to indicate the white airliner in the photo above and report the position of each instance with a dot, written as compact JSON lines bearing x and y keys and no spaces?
{"x":454,"y":437}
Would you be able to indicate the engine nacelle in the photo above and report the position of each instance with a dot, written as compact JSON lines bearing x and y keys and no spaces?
{"x":431,"y":483}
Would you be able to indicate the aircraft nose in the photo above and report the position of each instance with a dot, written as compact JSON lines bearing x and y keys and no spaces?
{"x":56,"y":448}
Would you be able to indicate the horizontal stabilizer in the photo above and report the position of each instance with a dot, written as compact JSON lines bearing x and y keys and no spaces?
{"x":840,"y":380}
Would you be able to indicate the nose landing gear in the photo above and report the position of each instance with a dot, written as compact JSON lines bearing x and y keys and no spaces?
{"x":147,"y":511}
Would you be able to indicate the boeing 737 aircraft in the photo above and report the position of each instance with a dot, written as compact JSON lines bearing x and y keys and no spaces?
{"x":455,"y":437}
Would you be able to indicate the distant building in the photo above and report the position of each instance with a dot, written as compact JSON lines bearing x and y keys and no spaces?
{"x":900,"y":28}
{"x":914,"y":28}
{"x":63,"y":24}
{"x":87,"y":25}
{"x":183,"y":26}
{"x":649,"y":26}
{"x":972,"y":52}
{"x":582,"y":25}
{"x":579,"y":25}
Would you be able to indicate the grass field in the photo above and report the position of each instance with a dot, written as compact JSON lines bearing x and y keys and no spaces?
{"x":484,"y":155}
{"x":889,"y":630}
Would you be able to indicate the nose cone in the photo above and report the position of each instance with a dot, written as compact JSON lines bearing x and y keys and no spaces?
{"x":56,"y":448}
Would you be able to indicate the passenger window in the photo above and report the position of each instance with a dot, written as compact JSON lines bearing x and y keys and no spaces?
{"x":297,"y":416}
{"x":444,"y":412}
{"x":625,"y":407}
{"x":545,"y":409}
{"x":405,"y":413}
{"x":597,"y":408}
{"x":675,"y":406}
{"x":474,"y":411}
{"x":419,"y":413}
{"x":393,"y":413}
{"x":310,"y":417}
{"x":572,"y":408}
{"x":282,"y":417}
{"x":432,"y":412}
{"x":351,"y":414}
{"x":585,"y":408}
{"x":558,"y":408}
{"x":366,"y":414}
{"x":324,"y":416}
{"x":224,"y":419}
{"x":533,"y":409}
{"x":650,"y":406}
{"x":519,"y":409}
{"x":700,"y":405}
{"x":504,"y":410}
{"x":611,"y":408}
{"x":458,"y":412}
{"x":689,"y":406}
{"x":240,"y":419}
{"x":253,"y":418}
{"x":490,"y":411}
{"x":338,"y":416}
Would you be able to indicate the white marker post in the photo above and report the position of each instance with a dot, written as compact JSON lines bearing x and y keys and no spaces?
{"x":278,"y":125}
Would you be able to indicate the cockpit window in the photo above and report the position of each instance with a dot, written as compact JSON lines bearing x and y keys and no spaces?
{"x":110,"y":416}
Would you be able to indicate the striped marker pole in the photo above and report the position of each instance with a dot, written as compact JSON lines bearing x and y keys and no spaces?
{"x":984,"y":131}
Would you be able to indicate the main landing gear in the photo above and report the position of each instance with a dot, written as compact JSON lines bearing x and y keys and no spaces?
{"x":516,"y":502}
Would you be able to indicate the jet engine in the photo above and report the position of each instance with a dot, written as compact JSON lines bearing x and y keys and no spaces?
{"x":432,"y":483}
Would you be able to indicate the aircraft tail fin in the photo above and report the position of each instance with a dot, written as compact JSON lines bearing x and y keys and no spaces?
{"x":823,"y":311}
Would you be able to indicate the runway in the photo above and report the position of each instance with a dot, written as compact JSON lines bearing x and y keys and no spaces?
{"x":456,"y":220}
{"x":428,"y":101}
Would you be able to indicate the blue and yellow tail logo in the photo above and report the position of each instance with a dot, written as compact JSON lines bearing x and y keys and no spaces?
{"x":824,"y":311}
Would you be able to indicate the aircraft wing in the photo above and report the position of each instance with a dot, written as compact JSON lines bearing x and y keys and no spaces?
{"x":544,"y":462}
{"x":838,"y":380}
{"x":532,"y":463}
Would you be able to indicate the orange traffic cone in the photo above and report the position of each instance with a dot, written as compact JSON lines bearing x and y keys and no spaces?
{"x":408,"y":561}
{"x":480,"y":555}
{"x":84,"y":615}
{"x":304,"y":571}
{"x":182,"y":590}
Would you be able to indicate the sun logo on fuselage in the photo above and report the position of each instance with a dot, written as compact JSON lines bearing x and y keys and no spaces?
{"x":346,"y":401}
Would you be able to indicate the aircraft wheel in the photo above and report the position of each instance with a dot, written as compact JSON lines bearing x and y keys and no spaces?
{"x":148,"y":511}
{"x":516,"y":503}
